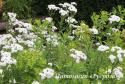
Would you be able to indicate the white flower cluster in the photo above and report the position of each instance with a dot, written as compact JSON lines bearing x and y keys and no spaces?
{"x":117,"y":72}
{"x":13,"y":47}
{"x":20,"y":24}
{"x":112,"y":58}
{"x":114,"y":18}
{"x":70,"y":7}
{"x":66,"y":9}
{"x":71,"y":20}
{"x":120,"y":53}
{"x":6,"y":58}
{"x":47,"y":73}
{"x":53,"y":7}
{"x":94,"y":30}
{"x":103,"y":48}
{"x":6,"y":39}
{"x":12,"y":17}
{"x":78,"y":55}
{"x":63,"y":12}
{"x":8,"y":46}
{"x":51,"y":38}
{"x":25,"y":34}
{"x":11,"y":44}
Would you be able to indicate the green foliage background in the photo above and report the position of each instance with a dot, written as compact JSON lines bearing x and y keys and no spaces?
{"x":28,"y":8}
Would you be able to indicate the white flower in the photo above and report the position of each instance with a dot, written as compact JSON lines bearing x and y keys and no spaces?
{"x":94,"y":30}
{"x":29,"y":43}
{"x":98,"y":44}
{"x":78,"y":55}
{"x":35,"y":82}
{"x":49,"y":19}
{"x":22,"y":30}
{"x":53,"y":7}
{"x":71,"y":20}
{"x":6,"y":39}
{"x":6,"y":58}
{"x":13,"y":47}
{"x":50,"y":64}
{"x":54,"y":28}
{"x":11,"y":30}
{"x":27,"y":26}
{"x":113,"y":49}
{"x":114,"y":18}
{"x":63,"y":12}
{"x":77,"y":60}
{"x":12,"y":14}
{"x":122,"y":52}
{"x":53,"y":39}
{"x":112,"y":58}
{"x":118,"y":72}
{"x":72,"y":8}
{"x":6,"y":54}
{"x":7,"y":47}
{"x":115,"y":30}
{"x":47,"y":73}
{"x":64,"y":5}
{"x":24,"y":36}
{"x":73,"y":3}
{"x":55,"y":43}
{"x":48,"y":39}
{"x":18,"y":23}
{"x":16,"y":47}
{"x":19,"y":38}
{"x":120,"y":58}
{"x":14,"y":81}
{"x":103,"y":48}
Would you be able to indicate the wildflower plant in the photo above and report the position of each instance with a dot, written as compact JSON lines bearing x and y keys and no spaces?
{"x":66,"y":12}
{"x":47,"y":52}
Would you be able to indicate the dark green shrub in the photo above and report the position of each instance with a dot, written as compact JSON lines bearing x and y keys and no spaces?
{"x":21,"y":7}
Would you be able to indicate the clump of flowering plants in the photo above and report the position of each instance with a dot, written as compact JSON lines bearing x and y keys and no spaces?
{"x":66,"y":12}
{"x":51,"y":52}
